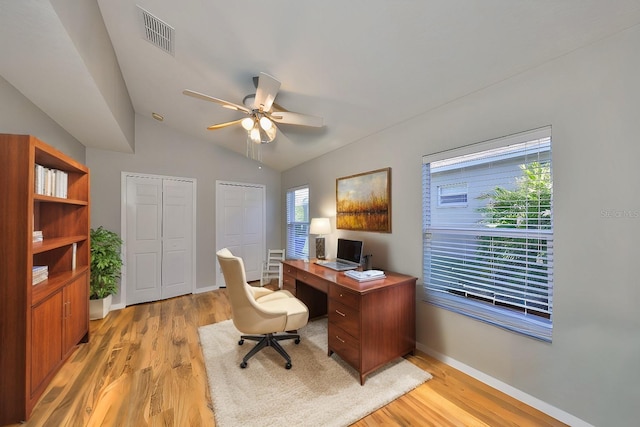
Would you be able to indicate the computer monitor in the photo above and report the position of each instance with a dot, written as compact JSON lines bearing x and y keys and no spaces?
{"x":349,"y":250}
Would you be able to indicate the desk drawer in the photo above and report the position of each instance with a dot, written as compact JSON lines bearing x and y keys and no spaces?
{"x":345,"y":317}
{"x":347,"y":347}
{"x":288,"y":270}
{"x":344,"y":296}
{"x":289,"y":283}
{"x":313,"y":281}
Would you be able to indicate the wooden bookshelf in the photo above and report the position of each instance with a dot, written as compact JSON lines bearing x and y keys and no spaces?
{"x":40,"y":325}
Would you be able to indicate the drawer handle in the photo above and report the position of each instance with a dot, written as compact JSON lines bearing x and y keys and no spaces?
{"x":340,"y":313}
{"x":340,"y":339}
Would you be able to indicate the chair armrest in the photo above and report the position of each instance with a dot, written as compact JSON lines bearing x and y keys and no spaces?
{"x":259,"y":292}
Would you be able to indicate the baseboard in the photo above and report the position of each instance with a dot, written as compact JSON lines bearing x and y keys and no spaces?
{"x":207,"y":289}
{"x":120,"y":306}
{"x":532,"y":401}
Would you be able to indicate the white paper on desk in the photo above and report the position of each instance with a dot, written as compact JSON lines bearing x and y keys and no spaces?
{"x":368,"y":274}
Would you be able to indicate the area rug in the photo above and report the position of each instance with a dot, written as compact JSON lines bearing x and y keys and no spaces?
{"x":317,"y":391}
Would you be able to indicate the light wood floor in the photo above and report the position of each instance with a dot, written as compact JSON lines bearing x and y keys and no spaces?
{"x":143,"y":366}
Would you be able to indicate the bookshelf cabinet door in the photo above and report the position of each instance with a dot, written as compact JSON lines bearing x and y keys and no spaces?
{"x":46,"y":342}
{"x":76,"y":312}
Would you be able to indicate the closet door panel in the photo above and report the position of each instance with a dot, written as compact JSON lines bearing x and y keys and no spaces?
{"x":177,"y":242}
{"x":144,"y":239}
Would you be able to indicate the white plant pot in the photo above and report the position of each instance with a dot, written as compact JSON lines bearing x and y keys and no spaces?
{"x":99,"y":308}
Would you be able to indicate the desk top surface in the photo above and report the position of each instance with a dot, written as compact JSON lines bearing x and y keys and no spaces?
{"x":338,"y":277}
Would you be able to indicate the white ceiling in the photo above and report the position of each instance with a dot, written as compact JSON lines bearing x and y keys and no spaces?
{"x":363,"y":65}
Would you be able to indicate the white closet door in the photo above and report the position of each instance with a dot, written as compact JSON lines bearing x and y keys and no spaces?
{"x":177,"y":232}
{"x":144,"y":239}
{"x":159,"y":238}
{"x":240,"y":217}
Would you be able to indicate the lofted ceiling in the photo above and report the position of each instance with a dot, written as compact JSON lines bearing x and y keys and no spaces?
{"x":362,"y":65}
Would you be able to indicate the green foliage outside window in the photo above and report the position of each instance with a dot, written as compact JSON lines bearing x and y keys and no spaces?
{"x":528,"y":206}
{"x":519,"y":259}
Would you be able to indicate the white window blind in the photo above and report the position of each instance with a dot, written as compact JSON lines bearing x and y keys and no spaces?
{"x":298,"y":223}
{"x":492,"y":259}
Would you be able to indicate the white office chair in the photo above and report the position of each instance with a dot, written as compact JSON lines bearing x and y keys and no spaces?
{"x":265,"y":316}
{"x":272,"y":267}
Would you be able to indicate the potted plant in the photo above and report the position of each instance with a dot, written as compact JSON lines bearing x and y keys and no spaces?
{"x":106,"y":266}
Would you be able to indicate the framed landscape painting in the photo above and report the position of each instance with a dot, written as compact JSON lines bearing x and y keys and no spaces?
{"x":363,"y":201}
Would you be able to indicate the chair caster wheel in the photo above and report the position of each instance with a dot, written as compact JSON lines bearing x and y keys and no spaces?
{"x":288,"y":365}
{"x":240,"y":342}
{"x":243,"y":365}
{"x":297,"y":341}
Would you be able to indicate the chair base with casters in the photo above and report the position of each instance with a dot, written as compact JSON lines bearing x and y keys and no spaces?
{"x":268,"y":340}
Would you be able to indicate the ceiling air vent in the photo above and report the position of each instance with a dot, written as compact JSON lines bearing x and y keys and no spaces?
{"x":157,"y":32}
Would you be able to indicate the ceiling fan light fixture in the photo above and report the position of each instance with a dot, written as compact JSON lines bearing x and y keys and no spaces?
{"x":265,"y":123}
{"x":254,"y":134}
{"x":247,"y":123}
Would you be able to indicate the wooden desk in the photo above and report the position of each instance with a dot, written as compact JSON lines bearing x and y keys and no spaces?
{"x":370,"y":323}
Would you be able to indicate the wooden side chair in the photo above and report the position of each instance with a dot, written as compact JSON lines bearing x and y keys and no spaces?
{"x":272,"y":267}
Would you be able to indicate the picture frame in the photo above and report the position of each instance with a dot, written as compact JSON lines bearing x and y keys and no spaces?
{"x":363,"y":201}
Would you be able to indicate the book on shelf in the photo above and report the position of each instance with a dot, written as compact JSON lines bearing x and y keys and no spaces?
{"x":363,"y":276}
{"x":51,"y":182}
{"x":74,"y":255}
{"x":39,"y":179}
{"x":39,"y":274}
{"x":37,"y":236}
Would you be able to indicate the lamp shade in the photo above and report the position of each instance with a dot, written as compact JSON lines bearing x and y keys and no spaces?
{"x":320,"y":226}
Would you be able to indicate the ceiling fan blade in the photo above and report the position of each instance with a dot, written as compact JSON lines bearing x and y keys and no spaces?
{"x":224,"y":125}
{"x":225,"y":104}
{"x":277,"y":107}
{"x":266,"y":92}
{"x":250,"y":100}
{"x":289,"y":118}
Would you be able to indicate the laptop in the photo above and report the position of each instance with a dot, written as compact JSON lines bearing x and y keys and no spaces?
{"x":348,"y":256}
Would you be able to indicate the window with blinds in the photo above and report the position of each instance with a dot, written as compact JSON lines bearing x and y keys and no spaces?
{"x":491,"y":258}
{"x":298,"y":223}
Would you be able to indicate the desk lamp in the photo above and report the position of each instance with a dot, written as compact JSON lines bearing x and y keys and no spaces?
{"x":320,"y":226}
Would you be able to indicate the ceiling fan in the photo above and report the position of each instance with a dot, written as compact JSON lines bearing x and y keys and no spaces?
{"x":262,"y":113}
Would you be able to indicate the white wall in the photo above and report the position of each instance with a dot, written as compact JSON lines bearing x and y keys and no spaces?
{"x":20,"y":116}
{"x":83,"y":22}
{"x":161,"y":151}
{"x":591,"y":97}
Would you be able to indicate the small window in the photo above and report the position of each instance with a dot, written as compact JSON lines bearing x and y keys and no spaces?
{"x":298,"y":223}
{"x":453,"y":195}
